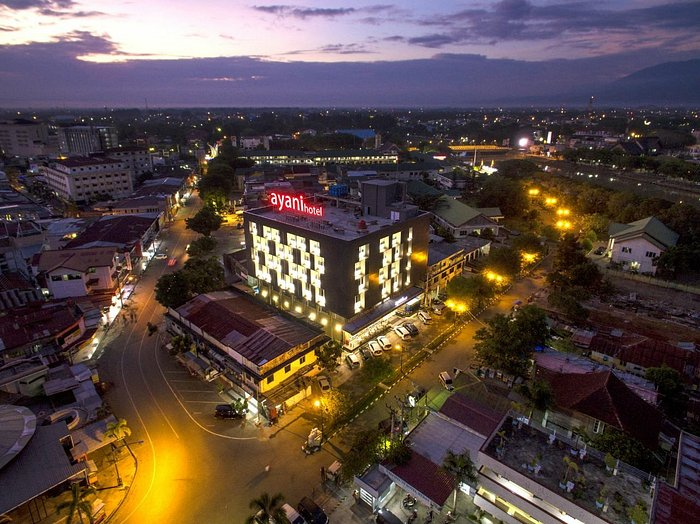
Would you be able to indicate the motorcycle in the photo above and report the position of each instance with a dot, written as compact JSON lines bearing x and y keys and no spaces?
{"x":409,"y":501}
{"x":412,"y":517}
{"x":313,"y":442}
{"x":449,"y":518}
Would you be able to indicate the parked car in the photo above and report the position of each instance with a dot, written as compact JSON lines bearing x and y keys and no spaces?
{"x":292,"y":515}
{"x":384,"y":342}
{"x":353,"y":361}
{"x":324,"y":384}
{"x":425,"y":317}
{"x":412,"y":329}
{"x":312,"y":512}
{"x":402,"y":332}
{"x":599,"y":251}
{"x":226,"y":411}
{"x":365,"y":352}
{"x":375,"y":348}
{"x":161,"y":256}
{"x":446,"y":380}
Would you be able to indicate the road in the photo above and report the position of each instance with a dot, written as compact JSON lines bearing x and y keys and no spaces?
{"x":193,"y":468}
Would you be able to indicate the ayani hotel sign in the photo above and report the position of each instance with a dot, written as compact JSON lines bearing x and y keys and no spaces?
{"x":294,"y":204}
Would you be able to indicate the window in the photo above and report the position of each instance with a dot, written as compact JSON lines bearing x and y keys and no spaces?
{"x":626,"y":249}
{"x":271,"y":379}
{"x":650,"y":254}
{"x":597,"y":426}
{"x":302,"y":359}
{"x":287,"y":368}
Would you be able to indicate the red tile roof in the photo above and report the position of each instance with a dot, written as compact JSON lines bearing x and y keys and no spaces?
{"x":471,"y":414}
{"x":76,"y":259}
{"x":603,"y":396}
{"x":425,"y":476}
{"x":24,"y":325}
{"x":648,"y":352}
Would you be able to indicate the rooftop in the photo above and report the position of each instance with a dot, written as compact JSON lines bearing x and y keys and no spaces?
{"x":115,"y":230}
{"x":526,"y":445}
{"x":438,"y":251}
{"x":28,"y":324}
{"x":603,"y":396}
{"x":457,"y":213}
{"x":80,"y":161}
{"x":76,"y":259}
{"x":479,"y":418}
{"x":258,"y":333}
{"x":337,"y":222}
{"x":651,"y":228}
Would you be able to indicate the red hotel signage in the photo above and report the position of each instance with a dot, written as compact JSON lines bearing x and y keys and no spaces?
{"x":295,"y":203}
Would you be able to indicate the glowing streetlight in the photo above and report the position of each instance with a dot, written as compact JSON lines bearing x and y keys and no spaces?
{"x":533,"y":192}
{"x":563,"y":224}
{"x":528,"y":258}
{"x":494,"y":277}
{"x":550,"y":201}
{"x":400,"y":350}
{"x":563,"y":212}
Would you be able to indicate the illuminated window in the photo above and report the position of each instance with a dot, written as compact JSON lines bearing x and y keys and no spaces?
{"x":363,"y":252}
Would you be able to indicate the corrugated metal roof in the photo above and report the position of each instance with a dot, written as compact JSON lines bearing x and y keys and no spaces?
{"x":42,"y":465}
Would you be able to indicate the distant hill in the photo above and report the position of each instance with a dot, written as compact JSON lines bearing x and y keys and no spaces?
{"x":673,"y":83}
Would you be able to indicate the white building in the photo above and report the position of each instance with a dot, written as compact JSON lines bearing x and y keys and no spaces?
{"x":24,"y":138}
{"x":135,"y":158}
{"x":83,"y":140}
{"x":80,"y":178}
{"x":78,"y":272}
{"x":638,"y":246}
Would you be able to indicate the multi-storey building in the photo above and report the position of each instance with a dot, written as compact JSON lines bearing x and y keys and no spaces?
{"x":137,"y":159}
{"x":80,"y":178}
{"x":83,"y":140}
{"x":24,"y":138}
{"x":343,"y":264}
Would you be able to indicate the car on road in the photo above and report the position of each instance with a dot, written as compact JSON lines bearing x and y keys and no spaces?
{"x":172,"y":262}
{"x":384,"y":342}
{"x":292,"y":515}
{"x":412,"y":329}
{"x":402,"y":332}
{"x":161,"y":256}
{"x":312,"y":512}
{"x":375,"y":348}
{"x":324,"y":384}
{"x":599,"y":251}
{"x":226,"y":411}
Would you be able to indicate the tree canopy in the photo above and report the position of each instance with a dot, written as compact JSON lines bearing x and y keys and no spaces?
{"x":201,"y":247}
{"x":205,"y":221}
{"x":200,"y":275}
{"x":475,"y":291}
{"x":504,"y":261}
{"x":507,"y":343}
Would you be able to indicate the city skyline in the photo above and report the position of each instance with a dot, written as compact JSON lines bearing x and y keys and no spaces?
{"x":71,"y":53}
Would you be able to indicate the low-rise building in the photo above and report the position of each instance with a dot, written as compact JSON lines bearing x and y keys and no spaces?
{"x":25,"y":138}
{"x":257,"y":349}
{"x":461,"y":220}
{"x":445,"y":262}
{"x":637,"y":246}
{"x":80,"y":272}
{"x":531,"y":475}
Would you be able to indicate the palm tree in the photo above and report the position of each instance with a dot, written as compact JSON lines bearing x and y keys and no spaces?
{"x":119,"y":430}
{"x":78,"y":504}
{"x":461,"y":468}
{"x":267,"y":509}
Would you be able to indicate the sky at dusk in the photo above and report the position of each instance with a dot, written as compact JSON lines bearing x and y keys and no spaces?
{"x":234,"y":52}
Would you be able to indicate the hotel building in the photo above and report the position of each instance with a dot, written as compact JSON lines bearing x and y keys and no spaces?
{"x":344,"y":264}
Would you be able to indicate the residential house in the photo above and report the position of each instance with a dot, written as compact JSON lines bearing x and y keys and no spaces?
{"x":79,"y":272}
{"x":637,"y":246}
{"x":461,"y":220}
{"x":589,"y":402}
{"x":678,"y":499}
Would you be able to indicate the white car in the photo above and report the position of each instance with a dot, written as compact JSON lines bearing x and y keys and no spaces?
{"x":375,"y":348}
{"x":384,"y":342}
{"x":161,"y":256}
{"x":402,"y":332}
{"x":324,"y":384}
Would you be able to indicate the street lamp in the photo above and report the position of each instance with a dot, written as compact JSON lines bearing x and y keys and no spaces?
{"x":319,"y":405}
{"x":400,"y":350}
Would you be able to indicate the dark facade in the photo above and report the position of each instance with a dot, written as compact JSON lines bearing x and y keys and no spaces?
{"x":334,"y":268}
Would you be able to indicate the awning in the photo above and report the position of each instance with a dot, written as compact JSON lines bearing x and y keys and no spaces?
{"x":363,"y":320}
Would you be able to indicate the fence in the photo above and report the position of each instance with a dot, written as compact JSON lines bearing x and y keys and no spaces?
{"x":652,"y":280}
